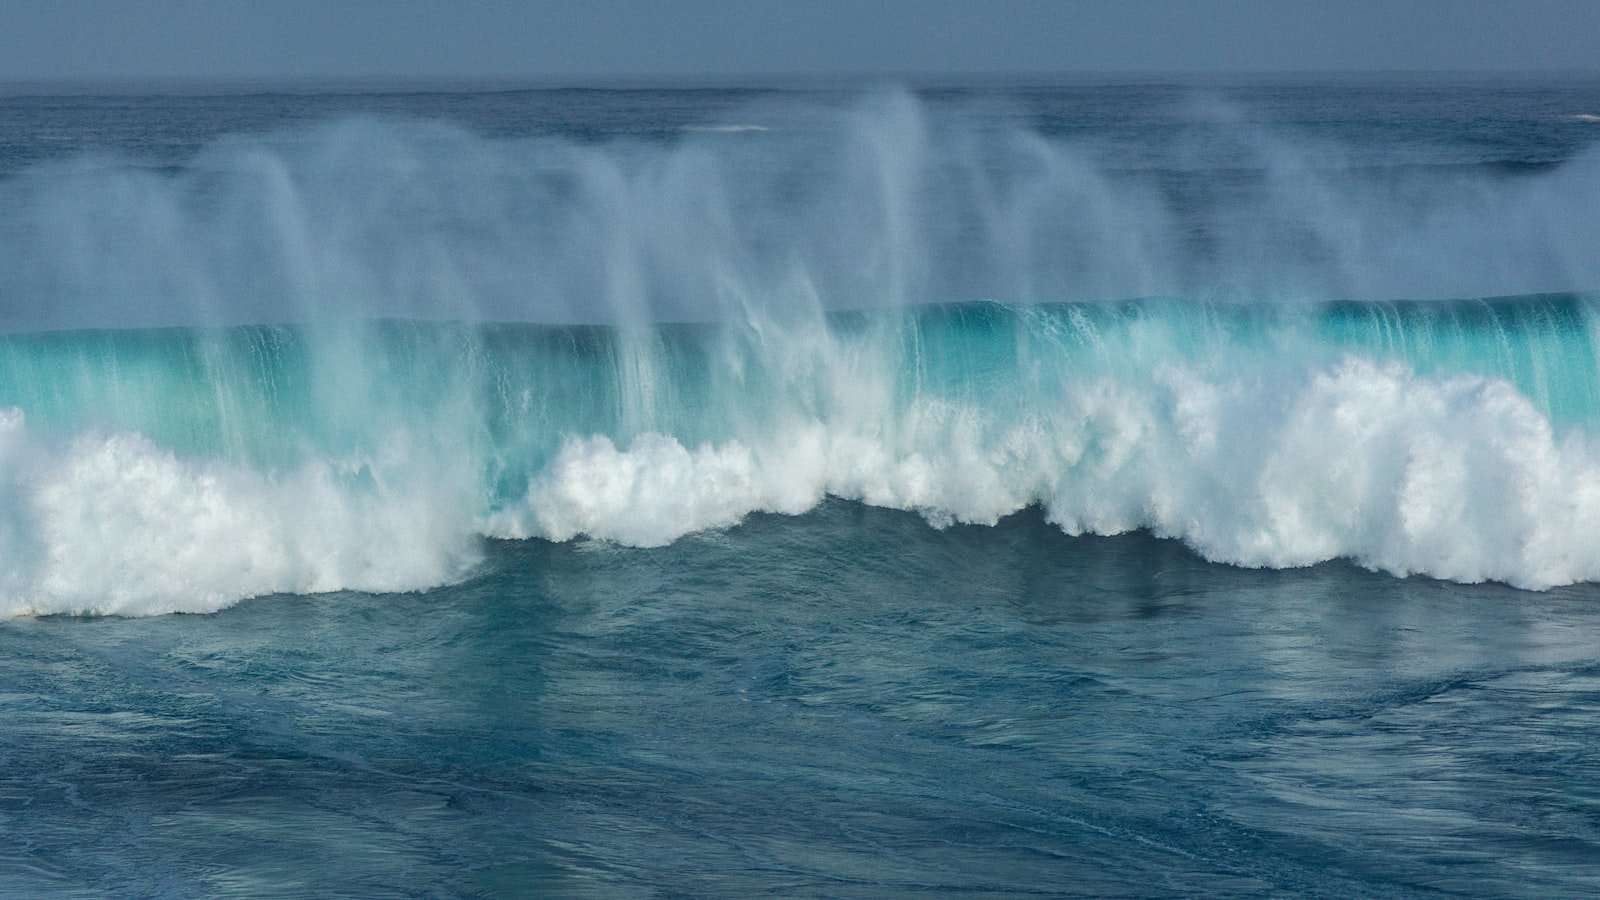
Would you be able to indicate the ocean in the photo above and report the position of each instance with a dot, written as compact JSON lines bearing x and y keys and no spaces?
{"x":1100,"y":487}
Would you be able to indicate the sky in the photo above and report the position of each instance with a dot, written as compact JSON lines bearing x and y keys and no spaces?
{"x":588,"y":40}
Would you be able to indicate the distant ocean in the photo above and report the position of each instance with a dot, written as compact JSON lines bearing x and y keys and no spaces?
{"x":1110,"y":488}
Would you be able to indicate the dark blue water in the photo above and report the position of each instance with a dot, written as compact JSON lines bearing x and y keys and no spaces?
{"x":672,"y":493}
{"x":847,"y":703}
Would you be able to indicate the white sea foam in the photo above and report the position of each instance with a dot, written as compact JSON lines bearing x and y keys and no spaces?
{"x":727,"y":129}
{"x":1458,"y":478}
{"x":114,"y":524}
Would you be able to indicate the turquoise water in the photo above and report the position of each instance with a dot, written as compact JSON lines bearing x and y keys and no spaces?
{"x":261,"y":393}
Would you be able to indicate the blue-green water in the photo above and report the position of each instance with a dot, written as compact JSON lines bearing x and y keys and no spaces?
{"x":843,"y":704}
{"x":1091,"y":489}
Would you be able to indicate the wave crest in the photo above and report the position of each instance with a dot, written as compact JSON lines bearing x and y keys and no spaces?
{"x":1459,"y":478}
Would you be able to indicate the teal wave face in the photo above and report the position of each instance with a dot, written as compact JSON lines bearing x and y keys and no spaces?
{"x":509,"y":395}
{"x":259,"y":392}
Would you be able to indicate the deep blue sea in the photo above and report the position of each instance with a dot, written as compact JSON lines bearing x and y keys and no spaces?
{"x":1092,"y":488}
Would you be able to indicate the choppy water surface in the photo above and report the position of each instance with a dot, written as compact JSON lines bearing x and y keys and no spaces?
{"x":848,"y":703}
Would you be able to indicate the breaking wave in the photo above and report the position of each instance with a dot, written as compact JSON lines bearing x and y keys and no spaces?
{"x":181,"y":469}
{"x":635,"y":341}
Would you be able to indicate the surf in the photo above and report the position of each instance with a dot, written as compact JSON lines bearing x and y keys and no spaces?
{"x":183,"y":469}
{"x":342,"y":356}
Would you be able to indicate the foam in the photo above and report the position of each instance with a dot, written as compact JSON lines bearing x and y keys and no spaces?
{"x":115,"y":525}
{"x":1250,"y":458}
{"x":729,"y":128}
{"x":1458,"y":478}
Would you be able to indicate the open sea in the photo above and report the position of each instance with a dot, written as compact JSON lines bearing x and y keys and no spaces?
{"x":1101,"y":488}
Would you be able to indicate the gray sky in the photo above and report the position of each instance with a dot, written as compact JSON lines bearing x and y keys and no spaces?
{"x":578,"y":39}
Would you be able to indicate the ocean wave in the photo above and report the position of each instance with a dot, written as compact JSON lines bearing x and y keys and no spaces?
{"x":724,"y":327}
{"x":184,"y":469}
{"x":1457,"y":478}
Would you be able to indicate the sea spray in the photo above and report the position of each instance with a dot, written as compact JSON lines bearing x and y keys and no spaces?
{"x":881,"y":203}
{"x":381,"y":341}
